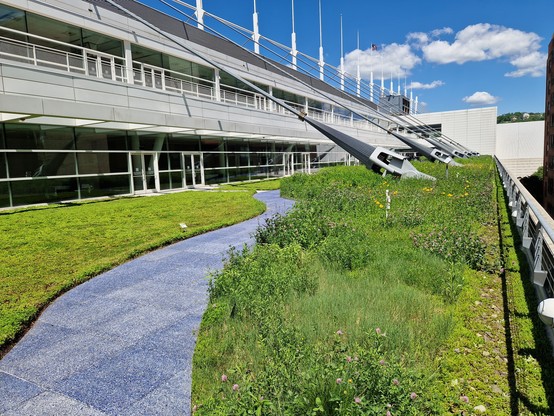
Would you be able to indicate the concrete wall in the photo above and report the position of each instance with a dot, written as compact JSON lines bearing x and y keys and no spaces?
{"x":474,"y":128}
{"x":520,"y":146}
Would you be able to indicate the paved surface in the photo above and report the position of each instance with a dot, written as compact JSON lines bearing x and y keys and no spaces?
{"x":122,"y":343}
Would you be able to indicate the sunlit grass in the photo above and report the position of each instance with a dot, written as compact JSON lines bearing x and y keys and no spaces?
{"x":49,"y":249}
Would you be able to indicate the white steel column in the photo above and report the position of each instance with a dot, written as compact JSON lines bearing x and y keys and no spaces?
{"x":199,"y":13}
{"x":217,"y":85}
{"x":128,"y":62}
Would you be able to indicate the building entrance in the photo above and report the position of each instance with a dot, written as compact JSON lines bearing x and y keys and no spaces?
{"x":145,"y":172}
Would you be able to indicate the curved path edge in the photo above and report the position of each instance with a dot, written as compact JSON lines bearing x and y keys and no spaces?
{"x":122,"y":342}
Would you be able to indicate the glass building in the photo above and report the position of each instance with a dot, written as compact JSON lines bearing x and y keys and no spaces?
{"x":94,"y":103}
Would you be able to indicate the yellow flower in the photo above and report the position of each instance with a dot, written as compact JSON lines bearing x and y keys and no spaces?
{"x":449,"y":195}
{"x":380,"y":205}
{"x":350,"y":380}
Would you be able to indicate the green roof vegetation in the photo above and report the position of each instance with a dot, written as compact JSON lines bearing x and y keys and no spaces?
{"x":347,"y":307}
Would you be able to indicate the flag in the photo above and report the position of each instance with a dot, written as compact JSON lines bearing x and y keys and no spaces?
{"x":373,"y":47}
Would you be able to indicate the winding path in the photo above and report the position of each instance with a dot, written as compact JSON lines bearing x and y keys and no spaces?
{"x":122,"y":343}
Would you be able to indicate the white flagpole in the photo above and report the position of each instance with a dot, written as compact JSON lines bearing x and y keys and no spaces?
{"x":382,"y":75}
{"x":199,"y":14}
{"x":358,"y":78}
{"x":321,"y":61}
{"x":341,"y":56}
{"x":293,"y":51}
{"x":256,"y":34}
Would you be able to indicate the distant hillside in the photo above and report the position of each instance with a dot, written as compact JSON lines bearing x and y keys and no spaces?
{"x":519,"y":117}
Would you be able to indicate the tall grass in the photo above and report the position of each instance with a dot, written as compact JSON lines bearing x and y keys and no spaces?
{"x":341,"y":308}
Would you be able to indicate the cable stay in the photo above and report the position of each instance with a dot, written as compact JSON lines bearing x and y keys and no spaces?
{"x":442,"y":153}
{"x":374,"y":158}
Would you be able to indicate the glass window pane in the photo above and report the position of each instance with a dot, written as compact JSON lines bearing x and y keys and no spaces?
{"x":176,"y":180}
{"x":104,"y":186}
{"x":165,"y":181}
{"x":145,"y":55}
{"x":163,"y":161}
{"x":40,"y":164}
{"x":184,"y":143}
{"x":212,"y":176}
{"x":91,"y":163}
{"x":102,"y":43}
{"x":43,"y":190}
{"x":3,"y":165}
{"x":53,"y":29}
{"x":98,"y":139}
{"x":211,"y":160}
{"x":4,"y":195}
{"x":12,"y":18}
{"x":21,"y":136}
{"x":175,"y":161}
{"x":141,"y":141}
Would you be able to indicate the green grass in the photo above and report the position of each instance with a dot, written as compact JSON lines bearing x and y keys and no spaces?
{"x":263,"y":185}
{"x":412,"y":303}
{"x":47,"y":250}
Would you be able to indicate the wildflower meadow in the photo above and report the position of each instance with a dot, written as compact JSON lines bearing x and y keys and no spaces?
{"x":356,"y":304}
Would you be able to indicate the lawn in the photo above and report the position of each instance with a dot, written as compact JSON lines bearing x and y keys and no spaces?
{"x":47,"y":250}
{"x":347,"y":307}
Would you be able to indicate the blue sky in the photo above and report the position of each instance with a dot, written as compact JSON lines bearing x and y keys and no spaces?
{"x":454,"y":55}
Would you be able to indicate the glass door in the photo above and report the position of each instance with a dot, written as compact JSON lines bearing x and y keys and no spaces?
{"x":288,"y":162}
{"x":193,"y":169}
{"x":306,"y":168}
{"x":145,"y":172}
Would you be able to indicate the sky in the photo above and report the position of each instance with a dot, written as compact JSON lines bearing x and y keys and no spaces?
{"x":452,"y":55}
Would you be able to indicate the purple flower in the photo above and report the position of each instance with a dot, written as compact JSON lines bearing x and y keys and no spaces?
{"x":223,"y":378}
{"x":357,"y":400}
{"x":413,"y":396}
{"x":389,"y":413}
{"x":339,"y":380}
{"x":382,"y":362}
{"x":235,"y":387}
{"x":464,"y":398}
{"x":395,"y":382}
{"x":339,"y":332}
{"x":378,"y":331}
{"x":349,"y":359}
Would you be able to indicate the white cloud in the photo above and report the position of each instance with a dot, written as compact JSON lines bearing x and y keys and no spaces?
{"x":421,"y":86}
{"x":443,"y":31}
{"x":483,"y":41}
{"x":394,"y":59}
{"x":419,"y":38}
{"x":532,"y":64}
{"x":481,"y":98}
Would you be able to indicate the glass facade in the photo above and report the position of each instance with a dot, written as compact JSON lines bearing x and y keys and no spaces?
{"x":50,"y":163}
{"x":41,"y":163}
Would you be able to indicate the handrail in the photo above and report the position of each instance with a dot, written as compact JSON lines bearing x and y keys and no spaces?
{"x":102,"y":65}
{"x":537,"y":229}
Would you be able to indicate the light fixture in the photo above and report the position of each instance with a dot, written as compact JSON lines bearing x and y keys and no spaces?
{"x":546,"y":311}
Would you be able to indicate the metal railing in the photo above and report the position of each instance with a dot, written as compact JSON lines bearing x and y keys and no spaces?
{"x":536,"y":229}
{"x":50,"y":53}
{"x":40,"y":51}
